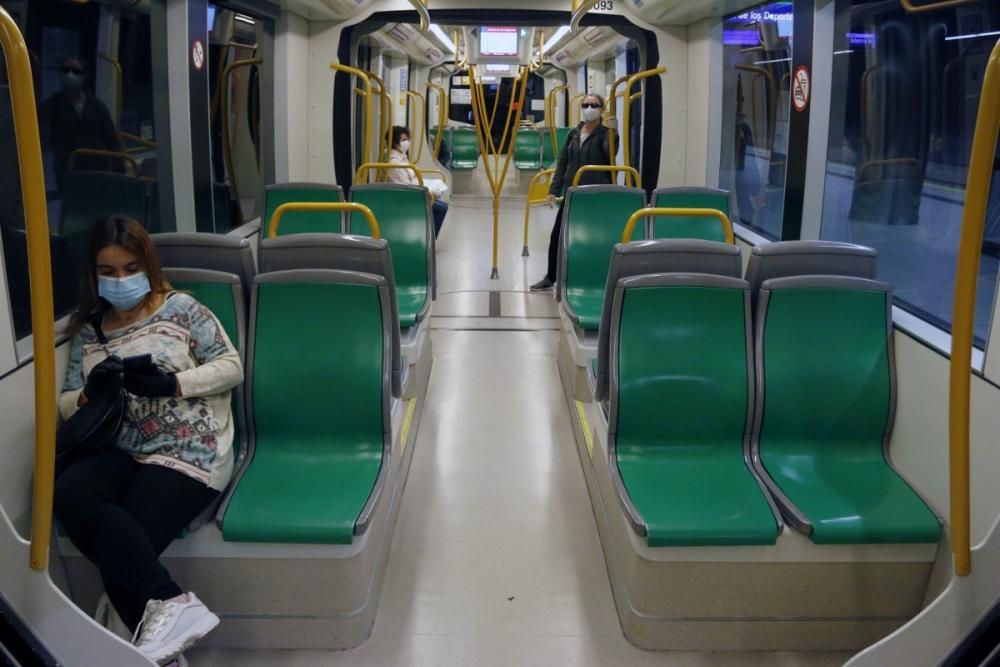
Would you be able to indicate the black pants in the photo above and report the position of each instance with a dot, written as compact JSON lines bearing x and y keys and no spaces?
{"x":121,"y":515}
{"x":554,"y":245}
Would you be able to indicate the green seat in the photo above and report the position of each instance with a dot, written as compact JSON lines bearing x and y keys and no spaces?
{"x":88,"y":196}
{"x":464,"y":149}
{"x":302,"y":222}
{"x":404,"y":217}
{"x":708,"y":229}
{"x":528,"y":150}
{"x":320,"y":413}
{"x":549,"y":156}
{"x":432,"y":138}
{"x":679,"y":412}
{"x":593,"y":222}
{"x":824,"y":350}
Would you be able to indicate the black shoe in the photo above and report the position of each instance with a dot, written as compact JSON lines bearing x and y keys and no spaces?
{"x":542,"y":285}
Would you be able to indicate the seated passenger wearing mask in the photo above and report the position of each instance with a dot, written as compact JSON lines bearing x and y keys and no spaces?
{"x":123,"y":505}
{"x":399,"y":138}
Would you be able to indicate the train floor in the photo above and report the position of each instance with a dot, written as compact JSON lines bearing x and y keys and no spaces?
{"x":496,"y":558}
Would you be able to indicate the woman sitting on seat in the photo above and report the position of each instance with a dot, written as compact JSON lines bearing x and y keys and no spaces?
{"x":123,"y":506}
{"x":399,"y":138}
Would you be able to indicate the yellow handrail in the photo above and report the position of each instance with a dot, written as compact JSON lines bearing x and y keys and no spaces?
{"x":627,"y":120}
{"x":227,"y":148}
{"x":442,"y":115}
{"x":727,"y":226}
{"x":143,"y":143}
{"x":321,"y":207}
{"x":367,"y":140}
{"x":573,"y":108}
{"x":611,"y":109}
{"x":629,"y":171}
{"x":384,"y":116}
{"x":531,"y":201}
{"x":913,"y":9}
{"x":462,"y":63}
{"x":580,"y":9}
{"x":119,"y":94}
{"x":440,"y":172}
{"x":977,"y":195}
{"x":425,"y":17}
{"x":422,"y":114}
{"x":96,"y":152}
{"x":495,"y":175}
{"x":550,"y":115}
{"x":871,"y":164}
{"x":29,"y":158}
{"x":772,"y":100}
{"x":384,"y":166}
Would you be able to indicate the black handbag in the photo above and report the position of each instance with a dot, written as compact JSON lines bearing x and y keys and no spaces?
{"x":96,"y":425}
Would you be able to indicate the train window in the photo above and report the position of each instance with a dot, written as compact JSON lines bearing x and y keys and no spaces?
{"x":94,"y":94}
{"x":234,"y":66}
{"x":757,"y":54}
{"x":906,"y":90}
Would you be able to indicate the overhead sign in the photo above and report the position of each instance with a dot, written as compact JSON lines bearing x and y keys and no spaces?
{"x":198,"y":54}
{"x":801,"y":86}
{"x":461,"y":96}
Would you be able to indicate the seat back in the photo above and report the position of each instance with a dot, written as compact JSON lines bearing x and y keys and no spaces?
{"x":689,"y":227}
{"x":797,"y":258}
{"x":594,"y":218}
{"x":336,"y":252}
{"x":302,"y":222}
{"x":404,"y":217}
{"x":88,"y":196}
{"x":464,"y":149}
{"x":528,"y":150}
{"x":660,"y":256}
{"x":319,"y":399}
{"x":700,"y":366}
{"x":211,"y":252}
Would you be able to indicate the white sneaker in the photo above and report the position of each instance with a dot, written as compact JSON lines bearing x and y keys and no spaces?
{"x":167,"y":628}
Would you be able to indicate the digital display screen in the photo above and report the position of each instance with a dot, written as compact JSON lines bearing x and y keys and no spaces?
{"x":498,"y":41}
{"x":742,"y":30}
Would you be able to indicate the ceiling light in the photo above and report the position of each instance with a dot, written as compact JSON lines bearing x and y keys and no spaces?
{"x":554,"y":39}
{"x":439,"y":33}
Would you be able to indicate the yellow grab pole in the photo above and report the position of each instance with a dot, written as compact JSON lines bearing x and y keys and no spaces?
{"x":727,"y":226}
{"x":536,"y":181}
{"x":29,"y":156}
{"x":367,"y":140}
{"x":95,"y":152}
{"x":627,"y":115}
{"x":363,"y":170}
{"x":631,"y":172}
{"x":977,"y":195}
{"x":551,"y":99}
{"x":321,"y":207}
{"x":575,"y":109}
{"x":442,"y":115}
{"x":930,"y":6}
{"x":611,"y":110}
{"x":422,"y":115}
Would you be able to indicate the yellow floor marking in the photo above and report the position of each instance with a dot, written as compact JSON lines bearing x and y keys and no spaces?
{"x":407,"y":420}
{"x":585,"y":425}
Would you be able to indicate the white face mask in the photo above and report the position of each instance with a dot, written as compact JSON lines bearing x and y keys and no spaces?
{"x":589,"y":115}
{"x":404,"y":145}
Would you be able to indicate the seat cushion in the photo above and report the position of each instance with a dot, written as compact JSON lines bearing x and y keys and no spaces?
{"x":410,"y":302}
{"x":699,"y":496}
{"x":303,"y":492}
{"x":850,"y":495}
{"x":586,"y":305}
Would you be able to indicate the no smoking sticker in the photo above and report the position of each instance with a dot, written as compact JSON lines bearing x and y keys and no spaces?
{"x":198,"y":54}
{"x":800,"y":88}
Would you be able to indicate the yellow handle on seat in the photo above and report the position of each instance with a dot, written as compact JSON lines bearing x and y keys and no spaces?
{"x":614,"y":169}
{"x":727,"y":226}
{"x":320,"y":207}
{"x":94,"y":152}
{"x":368,"y":166}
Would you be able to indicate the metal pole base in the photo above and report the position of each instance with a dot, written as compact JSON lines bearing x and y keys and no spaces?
{"x":525,"y":253}
{"x":495,"y":275}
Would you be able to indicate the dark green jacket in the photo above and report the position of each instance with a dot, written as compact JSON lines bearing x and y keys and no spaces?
{"x":595,"y":150}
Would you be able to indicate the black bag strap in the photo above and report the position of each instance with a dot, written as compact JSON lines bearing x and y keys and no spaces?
{"x":95,"y":321}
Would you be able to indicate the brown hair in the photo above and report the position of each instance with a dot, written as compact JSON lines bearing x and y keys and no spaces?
{"x":130,"y":235}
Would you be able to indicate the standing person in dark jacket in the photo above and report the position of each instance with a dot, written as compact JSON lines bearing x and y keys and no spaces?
{"x":587,"y":143}
{"x":76,"y":119}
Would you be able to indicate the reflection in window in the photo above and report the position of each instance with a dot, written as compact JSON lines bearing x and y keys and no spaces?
{"x":94,"y":95}
{"x":906,"y":91}
{"x":757,"y":55}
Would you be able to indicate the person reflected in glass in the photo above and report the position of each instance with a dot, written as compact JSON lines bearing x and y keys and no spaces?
{"x":587,"y":143}
{"x":399,"y":138}
{"x":74,"y":118}
{"x":122,"y":506}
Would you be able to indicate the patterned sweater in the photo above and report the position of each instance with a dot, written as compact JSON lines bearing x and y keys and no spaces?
{"x":192,"y":433}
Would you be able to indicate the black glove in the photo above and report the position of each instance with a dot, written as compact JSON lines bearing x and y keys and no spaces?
{"x":151,"y":383}
{"x":106,"y":374}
